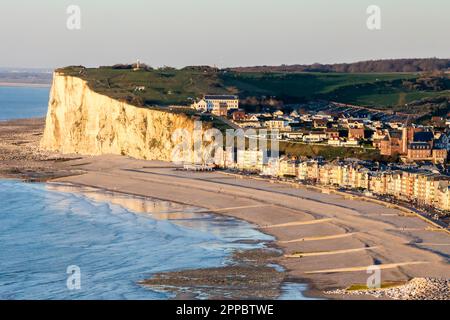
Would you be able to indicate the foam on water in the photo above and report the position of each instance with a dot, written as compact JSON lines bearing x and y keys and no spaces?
{"x":43,"y":231}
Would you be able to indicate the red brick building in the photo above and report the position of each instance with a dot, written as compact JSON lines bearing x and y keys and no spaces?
{"x":391,"y":144}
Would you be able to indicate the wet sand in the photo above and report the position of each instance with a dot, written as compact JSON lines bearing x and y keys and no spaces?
{"x":328,"y":240}
{"x":21,"y":157}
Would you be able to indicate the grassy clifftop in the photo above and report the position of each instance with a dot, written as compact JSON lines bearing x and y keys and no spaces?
{"x":169,"y":86}
{"x":163,"y":87}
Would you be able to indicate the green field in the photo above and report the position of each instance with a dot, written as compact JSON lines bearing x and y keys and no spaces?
{"x":329,"y":153}
{"x":304,"y":85}
{"x":168,"y":86}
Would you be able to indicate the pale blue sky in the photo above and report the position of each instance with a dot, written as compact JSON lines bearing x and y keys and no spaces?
{"x":221,"y":32}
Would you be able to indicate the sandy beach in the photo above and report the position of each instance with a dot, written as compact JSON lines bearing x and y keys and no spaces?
{"x":328,"y":240}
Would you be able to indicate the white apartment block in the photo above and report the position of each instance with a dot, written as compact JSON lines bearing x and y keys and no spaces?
{"x":215,"y":101}
{"x":251,"y":160}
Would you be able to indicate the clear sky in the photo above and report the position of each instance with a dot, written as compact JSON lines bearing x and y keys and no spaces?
{"x":219,"y":32}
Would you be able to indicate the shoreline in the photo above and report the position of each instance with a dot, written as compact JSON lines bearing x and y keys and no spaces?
{"x":328,"y":240}
{"x":259,"y":259}
{"x":25,"y":85}
{"x":258,"y":255}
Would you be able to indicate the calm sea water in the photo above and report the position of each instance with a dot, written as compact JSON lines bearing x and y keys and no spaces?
{"x":23,"y":102}
{"x":44,"y":230}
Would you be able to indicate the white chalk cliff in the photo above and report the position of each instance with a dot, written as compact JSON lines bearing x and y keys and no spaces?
{"x":82,"y":121}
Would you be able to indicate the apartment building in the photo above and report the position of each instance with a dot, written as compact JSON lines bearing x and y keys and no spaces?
{"x":272,"y":168}
{"x":378,"y":183}
{"x":251,"y":160}
{"x":443,"y":196}
{"x":220,"y":110}
{"x":214,"y":101}
{"x":308,"y":170}
{"x":394,"y":184}
{"x":288,"y":167}
{"x":217,"y":102}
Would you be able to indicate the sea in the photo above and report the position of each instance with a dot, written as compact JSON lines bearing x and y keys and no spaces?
{"x":63,"y":242}
{"x":23,"y":102}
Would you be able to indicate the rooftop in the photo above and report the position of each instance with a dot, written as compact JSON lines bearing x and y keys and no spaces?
{"x":221,"y":97}
{"x":423,"y":136}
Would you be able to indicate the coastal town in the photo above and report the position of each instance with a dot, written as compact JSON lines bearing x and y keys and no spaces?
{"x":415,"y":174}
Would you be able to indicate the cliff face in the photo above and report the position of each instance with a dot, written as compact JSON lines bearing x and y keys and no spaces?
{"x":82,"y":121}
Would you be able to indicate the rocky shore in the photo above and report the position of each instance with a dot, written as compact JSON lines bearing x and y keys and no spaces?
{"x":22,"y":158}
{"x":416,"y":289}
{"x":249,"y":275}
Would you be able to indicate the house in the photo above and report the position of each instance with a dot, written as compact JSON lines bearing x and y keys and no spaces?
{"x":320,"y":123}
{"x":419,"y":151}
{"x":391,"y":144}
{"x":377,"y":137}
{"x":252,"y":117}
{"x":355,"y":124}
{"x":139,"y":88}
{"x":200,"y":105}
{"x":356,"y":133}
{"x":322,"y":115}
{"x":294,"y":114}
{"x":278,"y":113}
{"x":220,"y":110}
{"x":332,"y":134}
{"x":315,"y":137}
{"x":439,"y":155}
{"x":278,"y":124}
{"x":239,"y":115}
{"x":306,"y":117}
{"x":293,"y":135}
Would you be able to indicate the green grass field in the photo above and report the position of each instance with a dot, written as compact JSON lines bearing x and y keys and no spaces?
{"x":168,"y":86}
{"x":304,"y":85}
{"x":329,"y":153}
